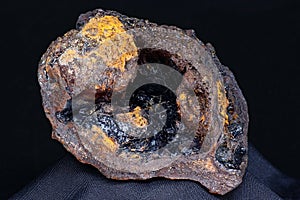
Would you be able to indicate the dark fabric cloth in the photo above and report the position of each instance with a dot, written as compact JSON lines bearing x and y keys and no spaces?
{"x":69,"y":179}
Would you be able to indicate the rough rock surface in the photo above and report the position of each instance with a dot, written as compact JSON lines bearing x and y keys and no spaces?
{"x":188,"y":121}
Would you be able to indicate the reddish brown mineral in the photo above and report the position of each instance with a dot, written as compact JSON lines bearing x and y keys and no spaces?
{"x":137,"y":100}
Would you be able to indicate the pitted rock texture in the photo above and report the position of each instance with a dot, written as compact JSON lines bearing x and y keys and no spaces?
{"x":187,"y":119}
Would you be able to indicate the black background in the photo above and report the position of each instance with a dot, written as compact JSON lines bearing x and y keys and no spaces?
{"x":258,"y":40}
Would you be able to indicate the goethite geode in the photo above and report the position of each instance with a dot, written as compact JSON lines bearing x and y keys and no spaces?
{"x":137,"y":100}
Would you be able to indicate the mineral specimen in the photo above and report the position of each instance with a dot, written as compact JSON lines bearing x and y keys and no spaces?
{"x":137,"y":100}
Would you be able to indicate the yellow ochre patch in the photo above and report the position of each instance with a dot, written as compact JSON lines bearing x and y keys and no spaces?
{"x":101,"y":28}
{"x":223,"y":102}
{"x":134,"y":118}
{"x":116,"y":46}
{"x":138,"y":119}
{"x":103,"y":138}
{"x":68,"y":56}
{"x":182,"y":96}
{"x":207,"y":164}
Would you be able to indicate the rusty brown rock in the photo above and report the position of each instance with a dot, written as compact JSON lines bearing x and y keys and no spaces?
{"x":101,"y":84}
